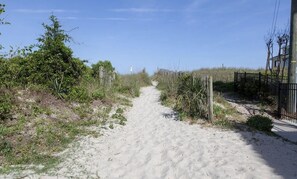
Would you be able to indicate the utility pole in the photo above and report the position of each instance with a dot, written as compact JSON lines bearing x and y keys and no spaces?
{"x":292,"y":57}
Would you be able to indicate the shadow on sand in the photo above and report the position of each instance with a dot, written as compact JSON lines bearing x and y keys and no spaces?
{"x":280,"y":154}
{"x":171,"y":115}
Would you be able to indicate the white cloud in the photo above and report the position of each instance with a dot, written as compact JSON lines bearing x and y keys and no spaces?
{"x":45,"y":11}
{"x":108,"y":18}
{"x":70,"y":18}
{"x":142,"y":10}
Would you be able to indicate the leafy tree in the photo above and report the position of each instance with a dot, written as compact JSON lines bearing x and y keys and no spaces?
{"x":53,"y":64}
{"x":105,"y":65}
{"x":2,"y":20}
{"x":2,"y":10}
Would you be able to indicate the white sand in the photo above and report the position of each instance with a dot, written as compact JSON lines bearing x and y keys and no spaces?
{"x":154,"y":145}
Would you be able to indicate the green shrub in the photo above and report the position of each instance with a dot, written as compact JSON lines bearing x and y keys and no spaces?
{"x":78,"y":94}
{"x":131,"y":84}
{"x":5,"y":147}
{"x":191,"y":96}
{"x":219,"y":112}
{"x":98,"y":94}
{"x":105,"y":65}
{"x":221,"y":86}
{"x":223,"y":123}
{"x":5,"y":106}
{"x":119,"y":116}
{"x":119,"y":111}
{"x":261,"y":123}
{"x":164,"y":96}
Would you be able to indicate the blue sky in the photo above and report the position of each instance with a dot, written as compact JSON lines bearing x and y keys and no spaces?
{"x":151,"y":34}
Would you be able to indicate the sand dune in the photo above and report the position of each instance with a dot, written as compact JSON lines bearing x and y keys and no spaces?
{"x":154,"y":145}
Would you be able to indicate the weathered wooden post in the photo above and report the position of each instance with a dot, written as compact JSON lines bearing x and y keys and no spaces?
{"x":210,"y":97}
{"x":111,"y":78}
{"x":235,"y":81}
{"x":260,"y":79}
{"x":101,"y":75}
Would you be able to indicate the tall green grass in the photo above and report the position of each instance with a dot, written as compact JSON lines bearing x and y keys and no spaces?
{"x":131,"y":84}
{"x":224,"y":74}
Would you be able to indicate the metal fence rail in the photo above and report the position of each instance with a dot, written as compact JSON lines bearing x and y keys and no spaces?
{"x":287,"y":92}
{"x":259,"y":85}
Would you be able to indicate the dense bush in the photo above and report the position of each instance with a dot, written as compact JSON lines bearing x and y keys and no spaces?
{"x":249,"y":88}
{"x":261,"y":123}
{"x":163,"y":96}
{"x":51,"y":65}
{"x":98,"y":94}
{"x":221,"y":86}
{"x":78,"y":94}
{"x":5,"y":105}
{"x":191,"y":96}
{"x":105,"y":65}
{"x":53,"y":62}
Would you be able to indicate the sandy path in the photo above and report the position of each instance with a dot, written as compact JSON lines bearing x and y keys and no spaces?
{"x":154,"y":145}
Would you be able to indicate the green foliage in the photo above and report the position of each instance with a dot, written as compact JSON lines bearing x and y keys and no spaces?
{"x":119,"y":115}
{"x":49,"y":136}
{"x":191,"y":96}
{"x":52,"y":64}
{"x":167,"y":83}
{"x":111,"y":126}
{"x":78,"y":94}
{"x":163,"y":97}
{"x":130,"y":84}
{"x":223,"y":123}
{"x":221,"y":86}
{"x":2,"y":20}
{"x":105,"y":65}
{"x":2,"y":10}
{"x":223,"y":74}
{"x":5,"y":105}
{"x":11,"y":72}
{"x":222,"y":111}
{"x":98,"y":94}
{"x":5,"y":147}
{"x":261,"y":123}
{"x":249,"y":88}
{"x":120,"y":111}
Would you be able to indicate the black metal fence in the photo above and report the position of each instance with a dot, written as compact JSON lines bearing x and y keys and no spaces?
{"x":255,"y":84}
{"x":287,"y":95}
{"x":258,"y":85}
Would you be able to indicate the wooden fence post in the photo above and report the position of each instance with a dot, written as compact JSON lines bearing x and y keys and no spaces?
{"x":235,"y":81}
{"x":101,"y":75}
{"x":210,"y":97}
{"x":260,"y":79}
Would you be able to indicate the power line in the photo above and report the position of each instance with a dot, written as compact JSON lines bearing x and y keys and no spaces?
{"x":275,"y":17}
